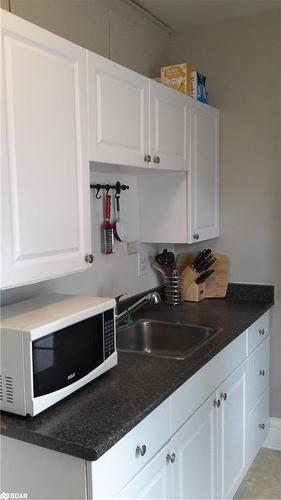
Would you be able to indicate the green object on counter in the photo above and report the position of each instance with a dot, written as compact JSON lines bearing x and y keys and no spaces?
{"x":130,"y":320}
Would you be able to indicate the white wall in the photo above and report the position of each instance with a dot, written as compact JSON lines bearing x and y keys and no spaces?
{"x":112,"y":28}
{"x":241,"y":58}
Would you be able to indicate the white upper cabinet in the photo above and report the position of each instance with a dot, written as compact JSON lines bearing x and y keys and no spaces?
{"x":183,"y":207}
{"x":134,"y":121}
{"x":45,"y":170}
{"x":169,"y":126}
{"x":203,"y":176}
{"x":118,"y":113}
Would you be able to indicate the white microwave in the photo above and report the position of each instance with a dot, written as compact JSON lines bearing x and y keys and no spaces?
{"x":51,"y":346}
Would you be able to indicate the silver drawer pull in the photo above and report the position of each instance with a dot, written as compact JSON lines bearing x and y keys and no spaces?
{"x":141,"y":450}
{"x":171,"y":457}
{"x":223,"y":395}
{"x":261,"y":331}
{"x":262,"y":373}
{"x":262,"y":426}
{"x":89,"y":258}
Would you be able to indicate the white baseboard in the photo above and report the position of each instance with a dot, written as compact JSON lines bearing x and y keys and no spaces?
{"x":273,"y":439}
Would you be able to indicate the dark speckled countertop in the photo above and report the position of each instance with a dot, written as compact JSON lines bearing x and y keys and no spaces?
{"x":90,"y":421}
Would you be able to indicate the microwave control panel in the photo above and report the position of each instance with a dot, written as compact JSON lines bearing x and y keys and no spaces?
{"x":109,"y":341}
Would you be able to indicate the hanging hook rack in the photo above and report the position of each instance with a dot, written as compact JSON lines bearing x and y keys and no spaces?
{"x":118,"y":187}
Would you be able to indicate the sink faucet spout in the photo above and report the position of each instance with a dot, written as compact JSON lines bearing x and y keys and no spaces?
{"x":152,"y":298}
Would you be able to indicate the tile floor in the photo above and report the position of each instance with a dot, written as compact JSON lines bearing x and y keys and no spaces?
{"x":263,"y":480}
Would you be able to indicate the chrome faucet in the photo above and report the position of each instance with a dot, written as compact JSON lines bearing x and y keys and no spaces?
{"x":151,"y":298}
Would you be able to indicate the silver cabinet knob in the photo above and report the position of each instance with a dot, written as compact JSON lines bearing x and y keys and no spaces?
{"x":147,"y":158}
{"x":223,"y":395}
{"x":89,"y":258}
{"x":141,"y":450}
{"x":171,"y":457}
{"x":262,"y":426}
{"x":262,"y":373}
{"x":261,"y":331}
{"x":217,"y":403}
{"x":195,"y":236}
{"x":156,"y":159}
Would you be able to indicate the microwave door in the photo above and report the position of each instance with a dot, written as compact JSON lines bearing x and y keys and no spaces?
{"x":67,"y":355}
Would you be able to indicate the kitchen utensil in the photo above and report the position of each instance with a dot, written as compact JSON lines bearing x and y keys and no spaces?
{"x":203,"y":277}
{"x":200,"y":257}
{"x":107,"y":228}
{"x":194,"y":293}
{"x":216,"y":284}
{"x":173,"y":287}
{"x":207,"y":263}
{"x":167,"y":261}
{"x":158,"y":268}
{"x":120,"y":231}
{"x":204,"y":263}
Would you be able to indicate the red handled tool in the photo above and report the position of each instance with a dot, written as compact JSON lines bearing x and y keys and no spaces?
{"x":107,"y":228}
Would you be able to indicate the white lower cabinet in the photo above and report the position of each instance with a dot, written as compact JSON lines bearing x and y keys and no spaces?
{"x":195,"y":447}
{"x":258,"y":425}
{"x":258,"y":386}
{"x":154,"y":481}
{"x":211,"y":434}
{"x":212,"y":444}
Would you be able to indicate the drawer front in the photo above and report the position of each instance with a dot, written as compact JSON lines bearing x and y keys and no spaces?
{"x":258,"y":373}
{"x":123,"y":461}
{"x":258,"y":331}
{"x":186,"y":399}
{"x":258,"y":426}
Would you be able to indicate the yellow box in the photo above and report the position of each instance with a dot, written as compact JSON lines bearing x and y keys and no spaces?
{"x":178,"y":77}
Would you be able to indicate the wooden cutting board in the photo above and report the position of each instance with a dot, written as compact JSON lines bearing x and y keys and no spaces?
{"x":214,"y":286}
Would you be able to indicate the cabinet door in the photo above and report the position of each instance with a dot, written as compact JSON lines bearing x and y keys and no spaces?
{"x":203,"y":177}
{"x":169,"y":127}
{"x":258,"y":373}
{"x":232,"y":432}
{"x":45,"y":176}
{"x":195,"y":446}
{"x":154,"y":481}
{"x":118,"y":113}
{"x":258,"y":426}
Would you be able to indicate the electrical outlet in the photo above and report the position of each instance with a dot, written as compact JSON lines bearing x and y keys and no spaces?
{"x":132,"y":247}
{"x":142,"y":263}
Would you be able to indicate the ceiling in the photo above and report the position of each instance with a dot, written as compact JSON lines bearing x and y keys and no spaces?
{"x":180,"y":14}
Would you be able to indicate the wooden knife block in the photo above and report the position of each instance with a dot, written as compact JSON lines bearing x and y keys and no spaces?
{"x":214,"y":286}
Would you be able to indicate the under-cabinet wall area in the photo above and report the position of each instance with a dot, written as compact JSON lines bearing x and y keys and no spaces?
{"x":113,"y":274}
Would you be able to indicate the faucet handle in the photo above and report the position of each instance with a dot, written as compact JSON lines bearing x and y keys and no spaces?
{"x":119,"y":297}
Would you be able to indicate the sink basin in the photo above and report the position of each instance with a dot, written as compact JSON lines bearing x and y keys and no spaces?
{"x":163,"y":339}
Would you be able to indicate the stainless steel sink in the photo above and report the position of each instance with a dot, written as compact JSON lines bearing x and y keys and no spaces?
{"x":163,"y":339}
